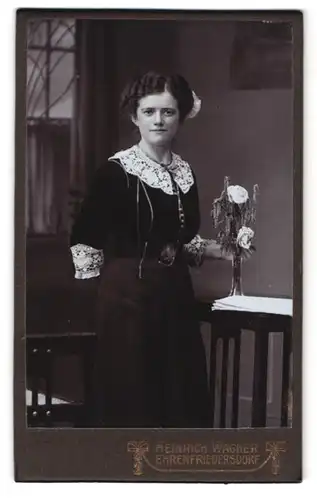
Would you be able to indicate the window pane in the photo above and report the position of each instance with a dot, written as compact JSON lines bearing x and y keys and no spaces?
{"x":62,"y":33}
{"x":37,"y":33}
{"x":36,"y":82}
{"x":61,"y":84}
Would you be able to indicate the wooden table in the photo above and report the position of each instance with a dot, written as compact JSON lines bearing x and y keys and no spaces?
{"x":227,"y":324}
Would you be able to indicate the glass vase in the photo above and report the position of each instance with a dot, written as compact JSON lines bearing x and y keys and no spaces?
{"x":236,"y":285}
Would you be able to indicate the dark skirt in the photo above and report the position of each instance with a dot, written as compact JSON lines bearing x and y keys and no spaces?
{"x":150,"y":367}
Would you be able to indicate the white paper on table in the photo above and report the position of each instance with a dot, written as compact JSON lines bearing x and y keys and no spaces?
{"x":269,"y":305}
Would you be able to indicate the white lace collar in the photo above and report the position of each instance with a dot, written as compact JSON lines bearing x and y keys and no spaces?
{"x":152,"y":173}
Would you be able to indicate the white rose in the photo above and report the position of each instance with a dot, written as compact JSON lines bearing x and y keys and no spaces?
{"x":237,"y":194}
{"x":244,"y":237}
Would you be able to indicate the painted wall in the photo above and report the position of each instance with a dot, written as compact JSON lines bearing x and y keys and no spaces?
{"x":246,"y":134}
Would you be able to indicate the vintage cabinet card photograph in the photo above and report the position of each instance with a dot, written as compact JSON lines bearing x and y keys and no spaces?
{"x":158,"y":295}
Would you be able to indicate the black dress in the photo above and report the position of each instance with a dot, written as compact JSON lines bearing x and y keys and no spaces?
{"x":150,"y":366}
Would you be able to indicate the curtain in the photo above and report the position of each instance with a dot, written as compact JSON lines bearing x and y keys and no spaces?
{"x":94,"y":123}
{"x":47,"y":178}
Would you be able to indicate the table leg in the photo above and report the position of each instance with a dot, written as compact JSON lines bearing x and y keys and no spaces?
{"x":212,"y":374}
{"x":224,"y":377}
{"x":236,"y":380}
{"x":48,"y":382}
{"x":260,"y":378}
{"x":285,"y":376}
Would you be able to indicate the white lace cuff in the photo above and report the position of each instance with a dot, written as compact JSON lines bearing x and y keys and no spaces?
{"x":195,"y":250}
{"x":87,"y":261}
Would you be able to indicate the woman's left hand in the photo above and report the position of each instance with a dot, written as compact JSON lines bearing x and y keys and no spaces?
{"x":213,"y":251}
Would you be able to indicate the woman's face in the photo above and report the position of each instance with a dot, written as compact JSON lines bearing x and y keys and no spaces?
{"x":157,"y":118}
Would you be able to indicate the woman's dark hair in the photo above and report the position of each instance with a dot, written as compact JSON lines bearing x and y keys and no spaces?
{"x":156,"y":83}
